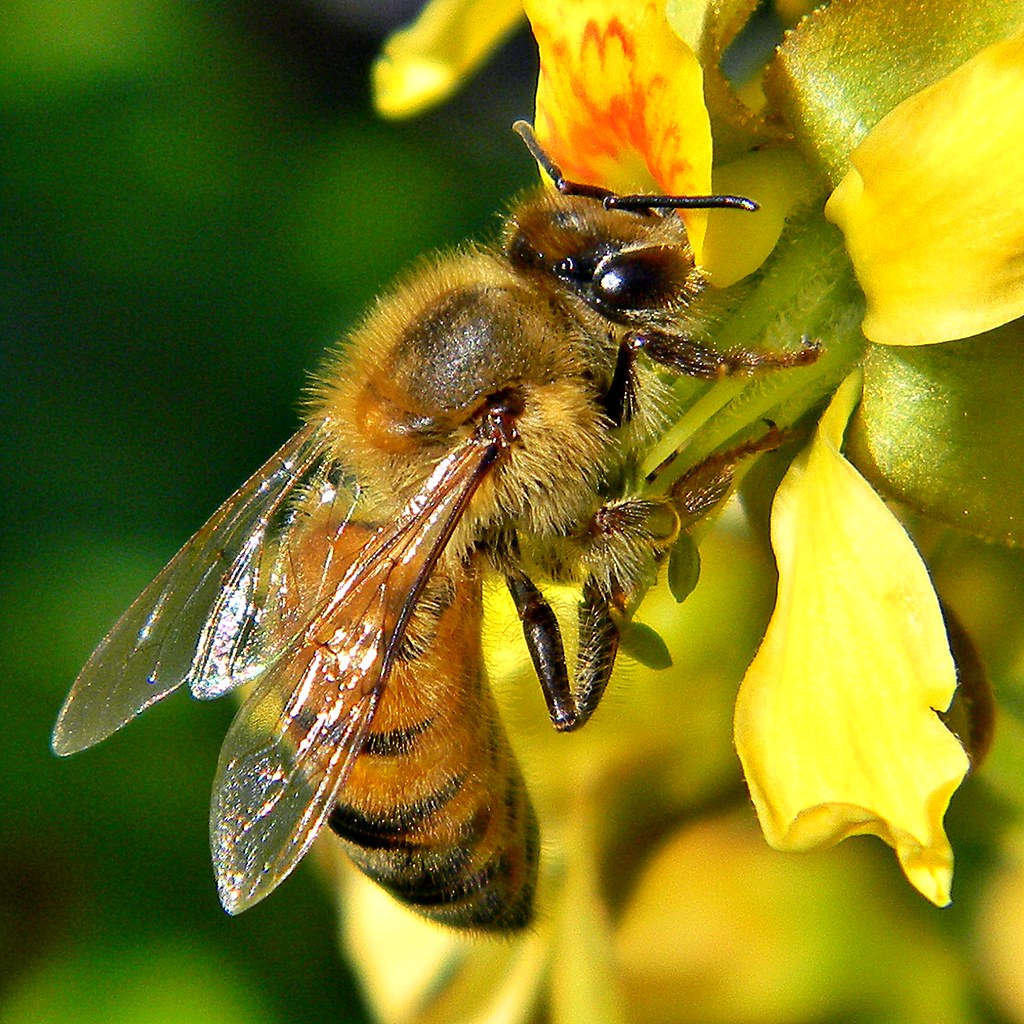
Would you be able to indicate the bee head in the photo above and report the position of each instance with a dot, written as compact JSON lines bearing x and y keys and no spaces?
{"x":622,"y":264}
{"x":626,"y":256}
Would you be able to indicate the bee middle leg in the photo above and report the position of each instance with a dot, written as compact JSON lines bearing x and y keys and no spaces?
{"x":628,"y":537}
{"x":706,"y":485}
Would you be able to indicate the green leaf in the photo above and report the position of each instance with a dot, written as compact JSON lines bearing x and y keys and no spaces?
{"x":683,"y":567}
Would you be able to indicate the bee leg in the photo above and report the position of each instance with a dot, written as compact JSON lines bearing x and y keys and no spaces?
{"x":620,"y":401}
{"x":626,"y":539}
{"x":700,"y":489}
{"x":686,"y":356}
{"x":598,"y":645}
{"x":642,"y":525}
{"x":651,"y":525}
{"x":569,"y":706}
{"x":544,"y":641}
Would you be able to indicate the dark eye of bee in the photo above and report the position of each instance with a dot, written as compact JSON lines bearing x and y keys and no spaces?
{"x":638,"y":279}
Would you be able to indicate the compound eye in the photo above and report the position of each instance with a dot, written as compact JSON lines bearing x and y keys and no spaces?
{"x":640,"y":279}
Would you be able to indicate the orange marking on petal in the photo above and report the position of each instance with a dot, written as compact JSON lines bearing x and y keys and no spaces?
{"x":620,"y":101}
{"x":614,"y":30}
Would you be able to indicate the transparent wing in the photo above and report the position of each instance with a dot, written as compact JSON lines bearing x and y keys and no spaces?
{"x":294,"y":741}
{"x":257,"y":612}
{"x":207,"y":597}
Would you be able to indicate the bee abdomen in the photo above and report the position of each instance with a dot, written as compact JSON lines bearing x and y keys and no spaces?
{"x":391,"y":830}
{"x":395,"y":742}
{"x":465,"y":855}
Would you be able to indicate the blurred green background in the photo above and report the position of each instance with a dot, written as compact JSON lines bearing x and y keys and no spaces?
{"x":196,"y":199}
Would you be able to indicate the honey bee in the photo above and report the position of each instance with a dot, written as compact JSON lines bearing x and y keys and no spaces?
{"x":486,"y":418}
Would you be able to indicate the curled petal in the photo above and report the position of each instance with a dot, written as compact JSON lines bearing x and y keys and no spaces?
{"x":620,"y":100}
{"x":933,"y":209}
{"x":424,"y":63}
{"x":836,"y":720}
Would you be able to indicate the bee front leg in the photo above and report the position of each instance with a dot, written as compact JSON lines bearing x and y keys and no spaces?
{"x":620,"y":400}
{"x":686,"y":356}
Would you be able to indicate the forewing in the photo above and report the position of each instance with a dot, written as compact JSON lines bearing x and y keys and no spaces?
{"x":263,"y":603}
{"x":214,"y":578}
{"x":293,"y":743}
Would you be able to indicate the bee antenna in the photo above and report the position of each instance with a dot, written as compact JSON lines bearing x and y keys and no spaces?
{"x":643,"y":203}
{"x":525,"y":131}
{"x":567,"y":188}
{"x":612,"y":200}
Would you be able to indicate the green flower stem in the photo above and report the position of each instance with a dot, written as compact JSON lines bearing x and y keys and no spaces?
{"x":806,"y":291}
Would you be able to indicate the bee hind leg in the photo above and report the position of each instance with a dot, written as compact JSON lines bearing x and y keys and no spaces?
{"x":598,"y":646}
{"x":544,"y":641}
{"x":569,"y":705}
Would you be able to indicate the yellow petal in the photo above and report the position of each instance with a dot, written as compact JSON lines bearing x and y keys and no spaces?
{"x":688,"y":19}
{"x":424,"y":63}
{"x":620,"y":100}
{"x":933,"y":209}
{"x":835,"y":720}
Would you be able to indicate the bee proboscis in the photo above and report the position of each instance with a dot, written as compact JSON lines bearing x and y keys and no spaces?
{"x":487,"y":417}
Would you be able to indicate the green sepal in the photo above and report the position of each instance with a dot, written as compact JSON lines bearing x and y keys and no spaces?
{"x":644,"y":645}
{"x":939,"y":429}
{"x":846,"y":65}
{"x":683,"y":567}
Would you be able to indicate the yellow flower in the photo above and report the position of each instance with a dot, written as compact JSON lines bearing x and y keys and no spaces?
{"x":835,"y":720}
{"x":931,"y":207}
{"x":646,"y":128}
{"x":427,"y":61}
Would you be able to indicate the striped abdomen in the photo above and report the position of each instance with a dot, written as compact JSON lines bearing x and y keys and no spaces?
{"x":435,"y":809}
